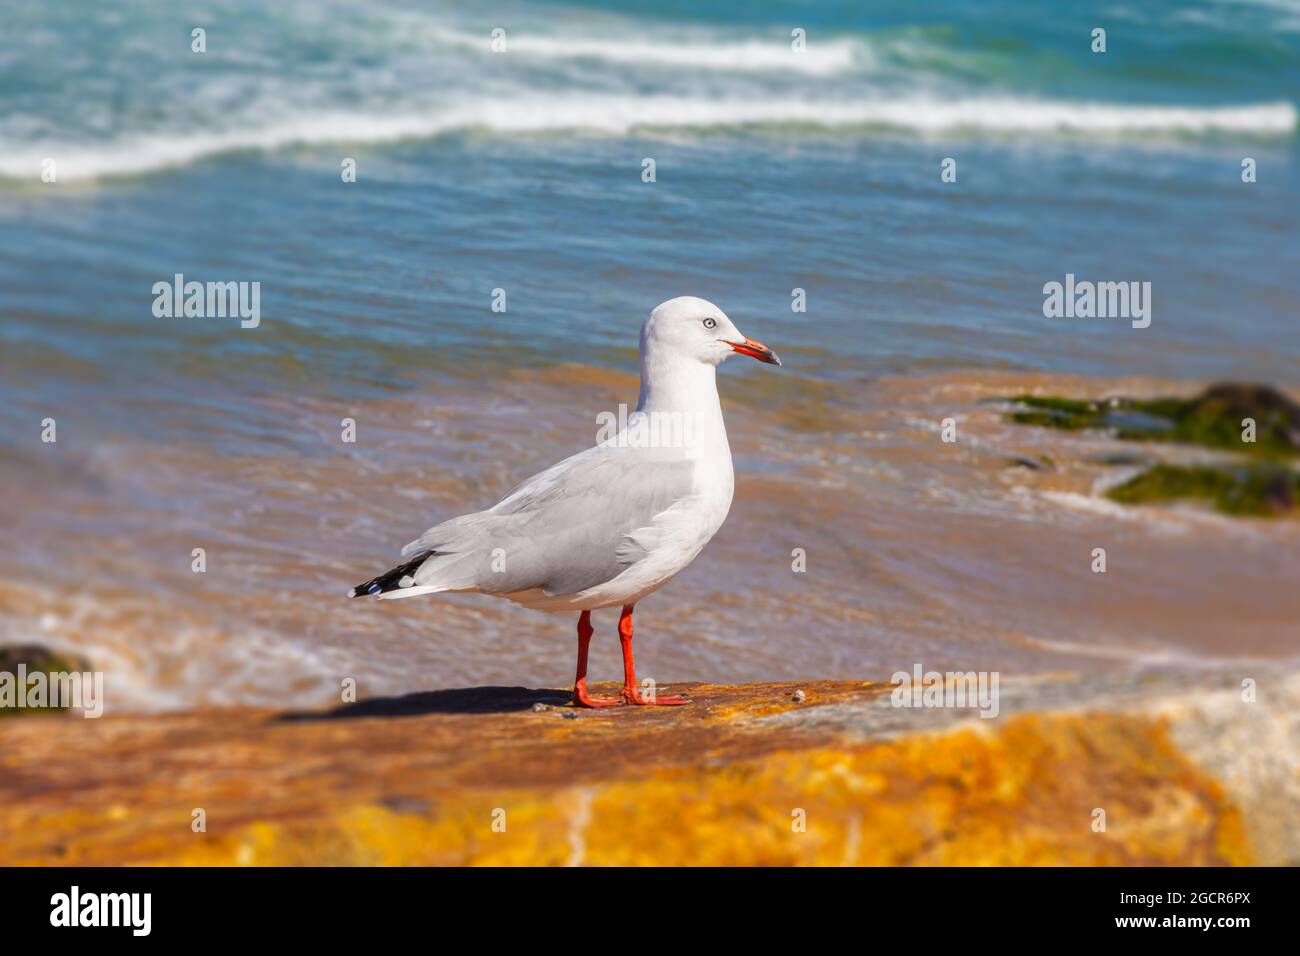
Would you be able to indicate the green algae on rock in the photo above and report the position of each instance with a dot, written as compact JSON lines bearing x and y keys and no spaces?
{"x":1219,"y":418}
{"x":1256,"y":489}
{"x":1054,"y":412}
{"x":1213,"y":419}
{"x":34,"y":659}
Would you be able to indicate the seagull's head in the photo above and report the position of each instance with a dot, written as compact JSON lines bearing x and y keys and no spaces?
{"x":697,"y":329}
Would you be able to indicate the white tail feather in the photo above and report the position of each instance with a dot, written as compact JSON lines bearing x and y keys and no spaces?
{"x":408,"y":592}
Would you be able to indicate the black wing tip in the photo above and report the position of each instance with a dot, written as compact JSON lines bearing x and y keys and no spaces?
{"x":391,"y":580}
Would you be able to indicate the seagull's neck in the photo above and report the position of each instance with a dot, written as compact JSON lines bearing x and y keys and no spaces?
{"x":684,"y":393}
{"x":678,"y":385}
{"x":679,"y":398}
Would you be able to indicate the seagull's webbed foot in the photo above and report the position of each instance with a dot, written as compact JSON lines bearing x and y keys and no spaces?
{"x":633,"y":696}
{"x":582,"y":699}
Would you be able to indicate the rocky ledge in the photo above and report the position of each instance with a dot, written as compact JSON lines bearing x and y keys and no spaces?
{"x":1159,"y":769}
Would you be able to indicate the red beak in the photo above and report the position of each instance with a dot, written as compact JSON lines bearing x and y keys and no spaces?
{"x":756,"y":349}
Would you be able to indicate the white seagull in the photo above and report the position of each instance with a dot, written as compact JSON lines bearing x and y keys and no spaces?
{"x":611,"y":524}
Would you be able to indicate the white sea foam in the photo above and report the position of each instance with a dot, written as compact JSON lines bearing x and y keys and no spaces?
{"x":1129,"y":651}
{"x":1172,"y":519}
{"x":162,"y":654}
{"x":1109,"y":509}
{"x":620,"y":115}
{"x":822,"y":58}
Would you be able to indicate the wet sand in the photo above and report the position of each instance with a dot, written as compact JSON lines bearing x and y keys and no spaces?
{"x":950,"y":554}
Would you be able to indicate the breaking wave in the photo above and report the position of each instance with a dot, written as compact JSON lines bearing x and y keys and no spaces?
{"x":621,"y":115}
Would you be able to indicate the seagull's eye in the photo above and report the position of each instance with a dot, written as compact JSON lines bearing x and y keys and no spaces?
{"x":710,"y":323}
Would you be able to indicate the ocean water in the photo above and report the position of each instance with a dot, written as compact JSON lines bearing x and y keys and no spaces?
{"x":521,"y":170}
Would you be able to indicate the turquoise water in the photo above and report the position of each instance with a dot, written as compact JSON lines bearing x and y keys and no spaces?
{"x":522,"y":170}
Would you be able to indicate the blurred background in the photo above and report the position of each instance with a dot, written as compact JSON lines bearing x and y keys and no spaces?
{"x":521,"y":170}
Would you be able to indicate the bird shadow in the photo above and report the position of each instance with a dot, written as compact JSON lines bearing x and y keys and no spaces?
{"x":460,"y":700}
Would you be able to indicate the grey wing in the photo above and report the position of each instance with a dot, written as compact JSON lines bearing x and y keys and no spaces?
{"x":572,"y":527}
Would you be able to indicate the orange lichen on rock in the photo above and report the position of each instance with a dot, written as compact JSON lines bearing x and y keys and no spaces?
{"x":745,"y":776}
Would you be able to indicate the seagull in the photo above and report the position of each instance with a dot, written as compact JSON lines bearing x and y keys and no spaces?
{"x":614,"y":523}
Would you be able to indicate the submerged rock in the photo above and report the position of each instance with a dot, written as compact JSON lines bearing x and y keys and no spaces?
{"x":1256,"y":489}
{"x":1213,"y":419}
{"x":1264,"y":485}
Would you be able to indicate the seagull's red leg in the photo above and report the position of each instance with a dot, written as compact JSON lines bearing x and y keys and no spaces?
{"x":580,"y":696}
{"x":631,"y":693}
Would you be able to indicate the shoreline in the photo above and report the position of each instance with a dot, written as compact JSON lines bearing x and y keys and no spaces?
{"x":916,"y":548}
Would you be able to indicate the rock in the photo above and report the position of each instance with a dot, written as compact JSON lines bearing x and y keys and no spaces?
{"x":36,"y":658}
{"x":1212,"y":419}
{"x":1021,"y":461}
{"x":1185,"y":770}
{"x":1055,"y":412}
{"x":1256,"y":489}
{"x":1263,"y":485}
{"x":799,"y":696}
{"x":1273,"y":411}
